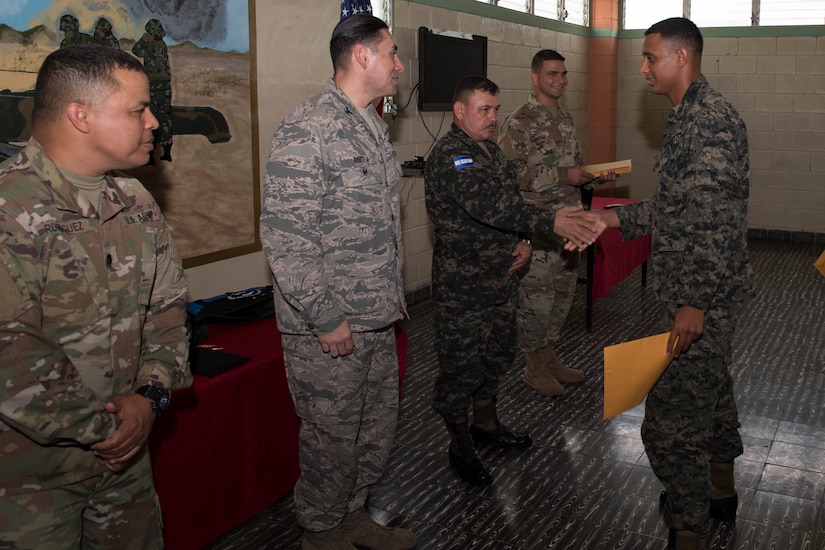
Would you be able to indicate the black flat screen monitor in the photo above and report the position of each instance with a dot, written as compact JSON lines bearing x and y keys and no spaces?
{"x":443,"y":60}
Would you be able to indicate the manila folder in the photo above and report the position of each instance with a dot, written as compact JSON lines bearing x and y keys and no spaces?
{"x":630,"y":371}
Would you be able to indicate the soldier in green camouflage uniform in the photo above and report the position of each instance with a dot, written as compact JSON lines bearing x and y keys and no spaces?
{"x":70,"y":27}
{"x":103,"y":34}
{"x":477,"y":211}
{"x":540,"y":138}
{"x":154,"y":52}
{"x":331,"y":230}
{"x":92,"y":310}
{"x":698,"y":222}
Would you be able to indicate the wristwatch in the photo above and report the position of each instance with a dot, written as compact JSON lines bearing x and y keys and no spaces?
{"x":158,"y":397}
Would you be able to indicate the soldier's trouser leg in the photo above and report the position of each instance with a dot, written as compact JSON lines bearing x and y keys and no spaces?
{"x":546,"y":292}
{"x":348,"y":408}
{"x":567,"y":274}
{"x":691,"y":419}
{"x":475,"y":347}
{"x":536,"y":294}
{"x":112,"y":511}
{"x":160,"y":93}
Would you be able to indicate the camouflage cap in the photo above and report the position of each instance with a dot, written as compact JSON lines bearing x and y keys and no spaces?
{"x":155,"y":28}
{"x":69,"y":23}
{"x":104,"y":24}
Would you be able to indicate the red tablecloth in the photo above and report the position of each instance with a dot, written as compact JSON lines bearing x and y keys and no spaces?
{"x":228,"y":446}
{"x":615,"y":258}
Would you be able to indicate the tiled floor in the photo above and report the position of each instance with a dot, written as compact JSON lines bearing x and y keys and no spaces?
{"x":586,"y":483}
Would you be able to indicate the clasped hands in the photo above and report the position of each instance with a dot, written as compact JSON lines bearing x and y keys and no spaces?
{"x":580,"y":228}
{"x":135,"y":419}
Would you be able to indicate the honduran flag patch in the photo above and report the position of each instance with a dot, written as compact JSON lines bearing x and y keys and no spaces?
{"x":463,"y":161}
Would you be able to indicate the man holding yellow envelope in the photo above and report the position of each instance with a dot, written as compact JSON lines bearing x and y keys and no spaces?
{"x":697,"y":220}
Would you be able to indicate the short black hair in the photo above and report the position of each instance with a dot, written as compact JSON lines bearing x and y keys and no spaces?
{"x":683,"y":32}
{"x":80,"y":72}
{"x":545,"y":55}
{"x":469,"y":84}
{"x":356,"y":29}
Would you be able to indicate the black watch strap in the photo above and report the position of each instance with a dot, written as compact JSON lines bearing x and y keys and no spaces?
{"x":158,"y":397}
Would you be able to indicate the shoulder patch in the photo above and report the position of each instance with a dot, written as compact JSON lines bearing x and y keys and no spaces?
{"x":463,"y":161}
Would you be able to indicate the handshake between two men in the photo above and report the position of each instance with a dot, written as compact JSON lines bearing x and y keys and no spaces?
{"x":580,"y":228}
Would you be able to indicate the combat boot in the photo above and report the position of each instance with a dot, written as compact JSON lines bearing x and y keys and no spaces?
{"x":363,"y":532}
{"x":538,"y":377}
{"x":486,"y":427}
{"x":464,"y":456}
{"x":723,"y":499}
{"x":684,"y":540}
{"x":331,"y":539}
{"x":560,"y":371}
{"x":167,"y":153}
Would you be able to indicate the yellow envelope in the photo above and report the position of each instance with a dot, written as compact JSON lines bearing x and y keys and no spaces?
{"x":630,"y":371}
{"x":820,"y":263}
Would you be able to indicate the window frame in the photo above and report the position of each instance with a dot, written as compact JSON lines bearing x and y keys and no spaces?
{"x":755,"y":20}
{"x":561,"y":9}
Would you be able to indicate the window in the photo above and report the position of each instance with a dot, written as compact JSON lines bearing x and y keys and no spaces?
{"x":715,"y":13}
{"x":641,"y":14}
{"x":569,"y":11}
{"x":791,"y":12}
{"x":380,"y":9}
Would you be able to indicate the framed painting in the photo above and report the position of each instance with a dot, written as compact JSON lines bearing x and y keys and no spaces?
{"x":199,"y":58}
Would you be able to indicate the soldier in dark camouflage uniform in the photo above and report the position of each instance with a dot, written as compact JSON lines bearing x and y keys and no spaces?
{"x":103,"y":34}
{"x":331,"y":230}
{"x":154,"y":52}
{"x":474,"y":203}
{"x":92,"y":315}
{"x":540,"y":138}
{"x":698,"y":222}
{"x":70,"y":27}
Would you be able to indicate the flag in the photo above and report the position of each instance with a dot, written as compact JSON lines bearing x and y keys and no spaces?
{"x":352,"y":7}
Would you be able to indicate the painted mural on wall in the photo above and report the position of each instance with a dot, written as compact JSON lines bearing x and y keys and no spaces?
{"x":197,"y":57}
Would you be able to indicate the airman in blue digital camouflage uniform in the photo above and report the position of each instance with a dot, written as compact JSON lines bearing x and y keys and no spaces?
{"x":92,"y":315}
{"x":331,"y":230}
{"x":698,"y":222}
{"x":477,"y":210}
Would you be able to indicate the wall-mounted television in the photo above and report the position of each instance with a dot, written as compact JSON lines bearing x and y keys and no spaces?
{"x":444,"y":58}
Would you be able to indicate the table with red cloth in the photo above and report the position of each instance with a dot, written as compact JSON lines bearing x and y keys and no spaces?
{"x":610,"y":260}
{"x":228,"y":446}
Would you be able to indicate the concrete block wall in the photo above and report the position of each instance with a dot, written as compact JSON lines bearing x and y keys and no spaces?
{"x":510,"y":50}
{"x":777,"y":84}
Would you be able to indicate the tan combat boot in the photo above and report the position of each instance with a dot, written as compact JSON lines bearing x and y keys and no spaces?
{"x":364,"y":532}
{"x":537,"y":377}
{"x":558,"y":370}
{"x":331,"y":539}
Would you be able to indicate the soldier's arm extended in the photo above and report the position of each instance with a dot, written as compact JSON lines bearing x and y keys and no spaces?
{"x":291,"y":231}
{"x":494,"y":199}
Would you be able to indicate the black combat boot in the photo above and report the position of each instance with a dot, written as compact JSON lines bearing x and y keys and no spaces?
{"x":723,"y":499}
{"x":167,"y":153}
{"x":464,"y":456}
{"x":486,"y":427}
